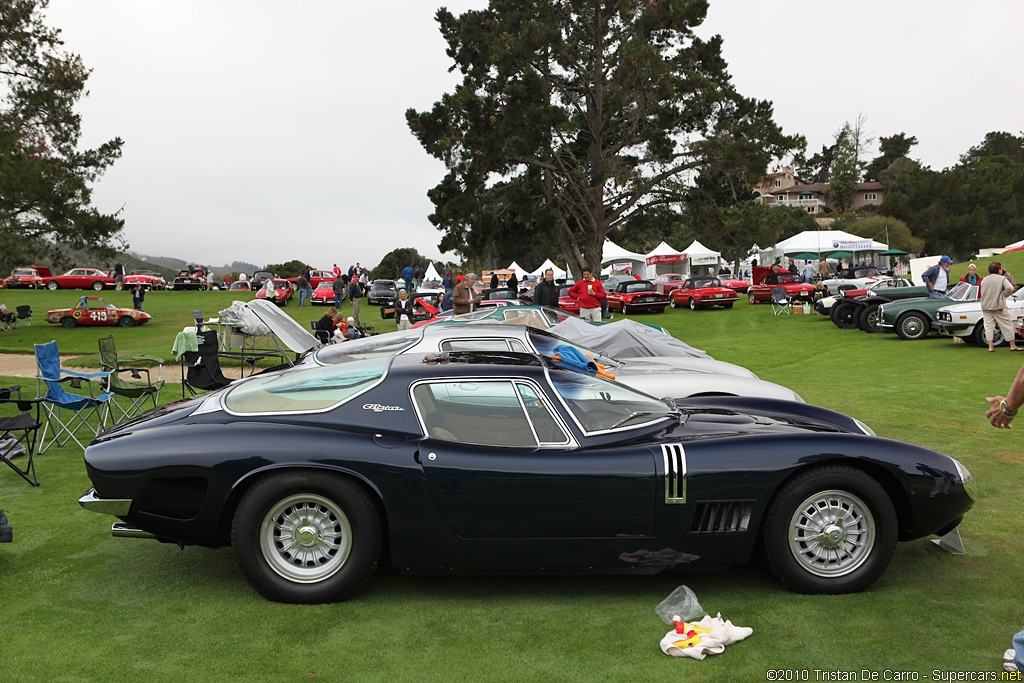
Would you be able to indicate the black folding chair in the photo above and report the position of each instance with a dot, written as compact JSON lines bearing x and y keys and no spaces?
{"x":18,"y":432}
{"x":23,"y":316}
{"x":781,"y":302}
{"x":200,"y":370}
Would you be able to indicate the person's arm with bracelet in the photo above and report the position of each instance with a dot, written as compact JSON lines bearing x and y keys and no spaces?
{"x":1004,"y":408}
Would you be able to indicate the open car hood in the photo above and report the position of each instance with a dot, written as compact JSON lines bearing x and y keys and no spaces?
{"x":293,"y":335}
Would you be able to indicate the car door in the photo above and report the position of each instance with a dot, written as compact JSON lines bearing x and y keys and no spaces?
{"x":500,"y":463}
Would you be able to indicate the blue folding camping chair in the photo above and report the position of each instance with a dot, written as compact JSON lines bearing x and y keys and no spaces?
{"x":57,"y":402}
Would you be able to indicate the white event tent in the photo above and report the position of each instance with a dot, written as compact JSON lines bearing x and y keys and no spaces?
{"x":621,"y":260}
{"x":518,"y":270}
{"x":822,"y":243}
{"x":431,"y":274}
{"x":663,"y":259}
{"x":539,"y":273}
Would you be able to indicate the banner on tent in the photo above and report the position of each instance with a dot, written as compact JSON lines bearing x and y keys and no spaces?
{"x":707,"y":259}
{"x":852,"y":245}
{"x":623,"y":267}
{"x":665,"y":258}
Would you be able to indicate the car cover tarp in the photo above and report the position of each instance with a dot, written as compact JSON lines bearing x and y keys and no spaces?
{"x":625,"y":339}
{"x":246,"y":321}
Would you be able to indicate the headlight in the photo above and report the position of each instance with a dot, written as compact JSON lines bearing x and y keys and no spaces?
{"x":966,"y":478}
{"x":864,"y":428}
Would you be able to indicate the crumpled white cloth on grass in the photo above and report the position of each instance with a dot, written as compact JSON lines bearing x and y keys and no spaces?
{"x":720,"y":633}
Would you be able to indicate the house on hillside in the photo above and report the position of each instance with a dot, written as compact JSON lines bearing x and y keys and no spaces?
{"x":783,"y":188}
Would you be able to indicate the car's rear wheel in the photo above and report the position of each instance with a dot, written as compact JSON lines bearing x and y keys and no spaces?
{"x":844,"y":315}
{"x":125,"y":321}
{"x":912,"y":325}
{"x":68,"y":321}
{"x":97,"y":286}
{"x":307,"y":537}
{"x":728,"y":305}
{"x":693,"y":304}
{"x":830,"y":530}
{"x":52,"y":284}
{"x":867,"y":319}
{"x":981,"y":339}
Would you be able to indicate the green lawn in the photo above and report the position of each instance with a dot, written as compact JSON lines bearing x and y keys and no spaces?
{"x":80,"y":605}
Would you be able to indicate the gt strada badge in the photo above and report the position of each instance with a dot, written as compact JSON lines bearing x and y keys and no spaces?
{"x":378,"y":408}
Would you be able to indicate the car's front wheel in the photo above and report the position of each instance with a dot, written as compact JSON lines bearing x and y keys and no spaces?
{"x":672,"y":302}
{"x":307,"y":537}
{"x":125,"y":321}
{"x":751,"y":298}
{"x":912,"y":326}
{"x":52,"y":285}
{"x":867,"y":320}
{"x":844,"y":315}
{"x":830,"y":530}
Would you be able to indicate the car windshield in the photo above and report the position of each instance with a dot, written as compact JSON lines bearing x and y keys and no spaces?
{"x":963,"y":292}
{"x":475,"y":315}
{"x":23,"y":271}
{"x":599,"y":405}
{"x":545,"y":343}
{"x":306,"y":388}
{"x":785,"y":278}
{"x":376,"y":346}
{"x":707,"y":283}
{"x":632,"y":287}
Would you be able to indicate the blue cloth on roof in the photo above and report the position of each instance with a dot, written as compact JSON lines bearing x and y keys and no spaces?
{"x":574,"y":359}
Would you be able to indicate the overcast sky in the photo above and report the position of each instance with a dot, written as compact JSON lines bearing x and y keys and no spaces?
{"x":266,"y":131}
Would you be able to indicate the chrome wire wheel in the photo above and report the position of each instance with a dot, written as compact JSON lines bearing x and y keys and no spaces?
{"x":831,"y":533}
{"x":306,"y":538}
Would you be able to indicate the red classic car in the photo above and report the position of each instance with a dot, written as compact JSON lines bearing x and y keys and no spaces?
{"x":324,"y":293}
{"x":147,"y":279}
{"x":316,"y":278}
{"x":28,"y":276}
{"x":277,"y":290}
{"x":93,"y":310}
{"x":761,"y":290}
{"x":240,"y":286}
{"x":196,"y":280}
{"x":741,"y":286}
{"x":566,"y":302}
{"x":636,"y":295}
{"x":667,"y":282}
{"x":703,"y":292}
{"x":80,"y":278}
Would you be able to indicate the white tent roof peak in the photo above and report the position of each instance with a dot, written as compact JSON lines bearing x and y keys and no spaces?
{"x":613,"y":252}
{"x":431,"y":272}
{"x":559,"y":272}
{"x":696,"y":248}
{"x":663,"y":249}
{"x":517,"y":269}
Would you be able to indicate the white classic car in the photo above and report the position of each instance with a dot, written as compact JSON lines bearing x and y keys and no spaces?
{"x":964,"y":320}
{"x":857,"y":276}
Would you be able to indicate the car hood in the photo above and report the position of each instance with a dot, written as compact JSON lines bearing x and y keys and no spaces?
{"x":292,"y":334}
{"x":733,"y":414}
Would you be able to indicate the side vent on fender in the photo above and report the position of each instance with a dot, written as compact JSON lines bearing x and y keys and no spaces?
{"x":720,"y":516}
{"x":675,"y":472}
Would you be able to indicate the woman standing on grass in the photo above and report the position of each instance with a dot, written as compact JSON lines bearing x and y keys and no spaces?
{"x":994,"y":290}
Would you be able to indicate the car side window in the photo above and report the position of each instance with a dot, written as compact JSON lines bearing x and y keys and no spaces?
{"x":546,"y":427}
{"x":474,"y":345}
{"x":487,"y":413}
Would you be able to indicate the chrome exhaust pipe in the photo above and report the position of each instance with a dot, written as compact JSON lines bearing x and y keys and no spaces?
{"x":122,"y":530}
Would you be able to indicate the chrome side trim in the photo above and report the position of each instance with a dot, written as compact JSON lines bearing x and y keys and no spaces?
{"x":675,"y":472}
{"x":122,"y":530}
{"x":105,"y":506}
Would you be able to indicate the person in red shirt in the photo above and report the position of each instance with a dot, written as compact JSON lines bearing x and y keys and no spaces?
{"x":590,"y":293}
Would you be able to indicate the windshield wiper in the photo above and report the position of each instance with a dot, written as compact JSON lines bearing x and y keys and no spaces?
{"x":635,"y":413}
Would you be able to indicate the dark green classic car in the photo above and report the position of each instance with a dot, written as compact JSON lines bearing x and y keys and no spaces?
{"x":915,"y":318}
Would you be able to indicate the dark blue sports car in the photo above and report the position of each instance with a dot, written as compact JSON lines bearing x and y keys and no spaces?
{"x":500,"y":460}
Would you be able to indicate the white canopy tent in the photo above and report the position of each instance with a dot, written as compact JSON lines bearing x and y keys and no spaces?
{"x":621,"y":261}
{"x":518,"y":270}
{"x":431,"y":273}
{"x":701,"y":260}
{"x":822,"y":243}
{"x":663,"y":259}
{"x":539,"y":273}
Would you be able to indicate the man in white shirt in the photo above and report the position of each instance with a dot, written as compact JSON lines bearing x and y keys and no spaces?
{"x":809,"y":272}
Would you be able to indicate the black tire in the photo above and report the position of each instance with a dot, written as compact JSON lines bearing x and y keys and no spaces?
{"x":672,"y":301}
{"x":97,"y":286}
{"x":913,"y":325}
{"x":844,"y":315}
{"x":341,"y":534}
{"x":693,"y":304}
{"x":728,"y":305}
{"x":867,"y":319}
{"x":125,"y":321}
{"x":805,"y":547}
{"x":751,"y":298}
{"x":981,"y":339}
{"x":52,"y":285}
{"x":68,"y":321}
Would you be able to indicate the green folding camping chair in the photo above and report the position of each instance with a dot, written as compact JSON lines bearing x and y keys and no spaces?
{"x":134,"y":394}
